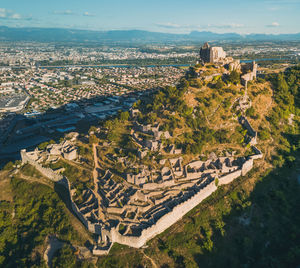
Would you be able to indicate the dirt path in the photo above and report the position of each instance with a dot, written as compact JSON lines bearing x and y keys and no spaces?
{"x":150,"y":259}
{"x":95,"y":177}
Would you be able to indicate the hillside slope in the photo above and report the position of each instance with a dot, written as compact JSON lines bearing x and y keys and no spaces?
{"x":240,"y":224}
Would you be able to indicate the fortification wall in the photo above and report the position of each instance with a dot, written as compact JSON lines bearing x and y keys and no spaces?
{"x":165,"y":221}
{"x":100,"y":252}
{"x":47,"y":172}
{"x":230,"y":177}
{"x":244,"y":121}
{"x":153,"y":185}
{"x":247,"y":166}
{"x":66,"y":183}
{"x":93,"y":228}
{"x":258,"y":154}
{"x":161,"y":224}
{"x":50,"y":174}
{"x":179,"y":211}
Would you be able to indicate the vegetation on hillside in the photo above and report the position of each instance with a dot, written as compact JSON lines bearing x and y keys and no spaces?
{"x":35,"y":212}
{"x":252,"y":222}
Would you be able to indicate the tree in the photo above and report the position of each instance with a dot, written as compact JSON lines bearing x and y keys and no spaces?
{"x":93,"y":139}
{"x":92,"y":129}
{"x":250,"y":112}
{"x":43,"y":145}
{"x":124,"y":116}
{"x":8,"y":166}
{"x":264,"y":134}
{"x":65,"y":257}
{"x":234,"y":77}
{"x":219,"y":84}
{"x":281,"y":83}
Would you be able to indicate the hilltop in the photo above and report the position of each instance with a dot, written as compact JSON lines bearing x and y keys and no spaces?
{"x":135,"y":169}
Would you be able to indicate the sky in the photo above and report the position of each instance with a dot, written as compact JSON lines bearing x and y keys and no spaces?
{"x":172,"y":16}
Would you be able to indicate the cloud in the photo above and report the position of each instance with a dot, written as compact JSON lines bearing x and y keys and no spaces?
{"x":64,"y":12}
{"x":88,"y":14}
{"x":6,"y":14}
{"x":69,"y":12}
{"x":169,"y":25}
{"x":225,"y":26}
{"x":273,"y":25}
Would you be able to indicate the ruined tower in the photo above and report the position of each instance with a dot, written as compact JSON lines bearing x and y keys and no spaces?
{"x":210,"y":54}
{"x":205,"y":53}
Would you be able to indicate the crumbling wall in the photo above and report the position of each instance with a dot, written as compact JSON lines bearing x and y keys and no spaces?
{"x":50,"y":174}
{"x":162,"y":223}
{"x":246,"y":124}
{"x":47,"y":172}
{"x":153,"y":185}
{"x":249,"y":72}
{"x":165,"y":221}
{"x":258,"y":154}
{"x":93,"y":228}
{"x":247,"y":166}
{"x":230,"y":177}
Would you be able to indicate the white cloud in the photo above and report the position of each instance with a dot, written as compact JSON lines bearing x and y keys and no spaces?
{"x":169,"y":25}
{"x":88,"y":14}
{"x":225,"y":26}
{"x":64,"y":12}
{"x":9,"y":15}
{"x":273,"y":25}
{"x":16,"y":16}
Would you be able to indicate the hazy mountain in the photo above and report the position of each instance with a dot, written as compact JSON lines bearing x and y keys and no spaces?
{"x":195,"y":35}
{"x":126,"y":36}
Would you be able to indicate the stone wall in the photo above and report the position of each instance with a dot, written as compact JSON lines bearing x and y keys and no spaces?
{"x":165,"y":221}
{"x":246,"y":124}
{"x":249,"y":72}
{"x":93,"y":228}
{"x":258,"y":154}
{"x":50,"y":174}
{"x":229,"y":177}
{"x":47,"y":172}
{"x":247,"y":166}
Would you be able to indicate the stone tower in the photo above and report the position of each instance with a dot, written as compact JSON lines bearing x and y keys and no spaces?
{"x":210,"y":54}
{"x":206,"y":53}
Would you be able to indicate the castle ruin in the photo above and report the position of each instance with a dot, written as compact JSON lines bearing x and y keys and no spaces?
{"x":147,"y":203}
{"x":210,"y":54}
{"x":216,"y":55}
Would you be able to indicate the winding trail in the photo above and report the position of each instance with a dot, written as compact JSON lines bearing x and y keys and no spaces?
{"x":150,"y":259}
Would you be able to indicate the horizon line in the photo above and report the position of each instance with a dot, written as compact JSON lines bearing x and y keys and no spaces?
{"x":143,"y":30}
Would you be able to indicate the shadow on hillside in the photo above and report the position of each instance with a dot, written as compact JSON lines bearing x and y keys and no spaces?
{"x":25,"y":132}
{"x":262,"y":230}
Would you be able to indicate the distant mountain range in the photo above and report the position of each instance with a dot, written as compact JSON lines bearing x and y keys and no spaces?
{"x":128,"y":36}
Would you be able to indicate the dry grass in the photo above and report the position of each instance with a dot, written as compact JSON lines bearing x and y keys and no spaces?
{"x":190,"y":100}
{"x":5,"y":188}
